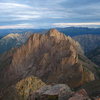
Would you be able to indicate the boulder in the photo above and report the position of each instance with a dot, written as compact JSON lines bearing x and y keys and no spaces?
{"x":52,"y":92}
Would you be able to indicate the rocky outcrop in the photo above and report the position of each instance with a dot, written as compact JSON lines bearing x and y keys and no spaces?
{"x":63,"y":92}
{"x":80,"y":95}
{"x":52,"y":92}
{"x":53,"y":57}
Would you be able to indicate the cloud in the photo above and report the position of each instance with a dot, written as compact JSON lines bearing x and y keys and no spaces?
{"x":13,"y":5}
{"x":17,"y":26}
{"x":15,"y":11}
{"x":76,"y":24}
{"x":48,"y":12}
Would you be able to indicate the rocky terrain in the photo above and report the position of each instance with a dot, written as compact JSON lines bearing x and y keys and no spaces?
{"x":52,"y":57}
{"x":22,"y":89}
{"x":63,"y":92}
{"x":88,"y":42}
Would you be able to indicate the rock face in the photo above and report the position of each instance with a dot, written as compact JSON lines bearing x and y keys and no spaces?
{"x":88,"y":42}
{"x":53,"y":57}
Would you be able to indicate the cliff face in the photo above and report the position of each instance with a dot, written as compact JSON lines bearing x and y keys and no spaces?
{"x":53,"y":57}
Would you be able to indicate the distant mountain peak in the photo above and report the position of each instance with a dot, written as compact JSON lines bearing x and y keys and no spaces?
{"x":12,"y":35}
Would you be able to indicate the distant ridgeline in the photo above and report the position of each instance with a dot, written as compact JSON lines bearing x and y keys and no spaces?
{"x":74,"y":31}
{"x":71,"y":31}
{"x":4,"y":32}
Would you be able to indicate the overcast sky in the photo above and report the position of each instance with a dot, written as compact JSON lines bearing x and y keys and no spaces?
{"x":49,"y":13}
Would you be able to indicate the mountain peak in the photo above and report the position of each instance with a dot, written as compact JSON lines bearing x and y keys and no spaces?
{"x":53,"y":32}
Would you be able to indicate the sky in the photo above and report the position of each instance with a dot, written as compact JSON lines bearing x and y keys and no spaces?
{"x":49,"y":13}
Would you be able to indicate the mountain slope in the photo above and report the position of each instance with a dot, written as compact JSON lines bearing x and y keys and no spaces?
{"x":12,"y":40}
{"x":53,"y":57}
{"x":88,"y":42}
{"x":94,"y":55}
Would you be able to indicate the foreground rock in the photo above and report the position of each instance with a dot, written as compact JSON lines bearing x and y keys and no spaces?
{"x":59,"y":92}
{"x":93,"y":88}
{"x":52,"y":92}
{"x":80,"y":95}
{"x":62,"y":92}
{"x":23,"y":89}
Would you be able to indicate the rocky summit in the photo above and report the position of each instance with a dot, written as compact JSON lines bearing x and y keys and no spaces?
{"x":52,"y":57}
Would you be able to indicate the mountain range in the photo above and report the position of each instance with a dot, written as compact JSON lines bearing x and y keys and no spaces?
{"x":82,"y":36}
{"x":88,"y":42}
{"x":71,"y":31}
{"x":44,"y":59}
{"x":32,"y":60}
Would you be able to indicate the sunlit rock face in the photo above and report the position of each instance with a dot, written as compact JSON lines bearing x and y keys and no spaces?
{"x":53,"y":57}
